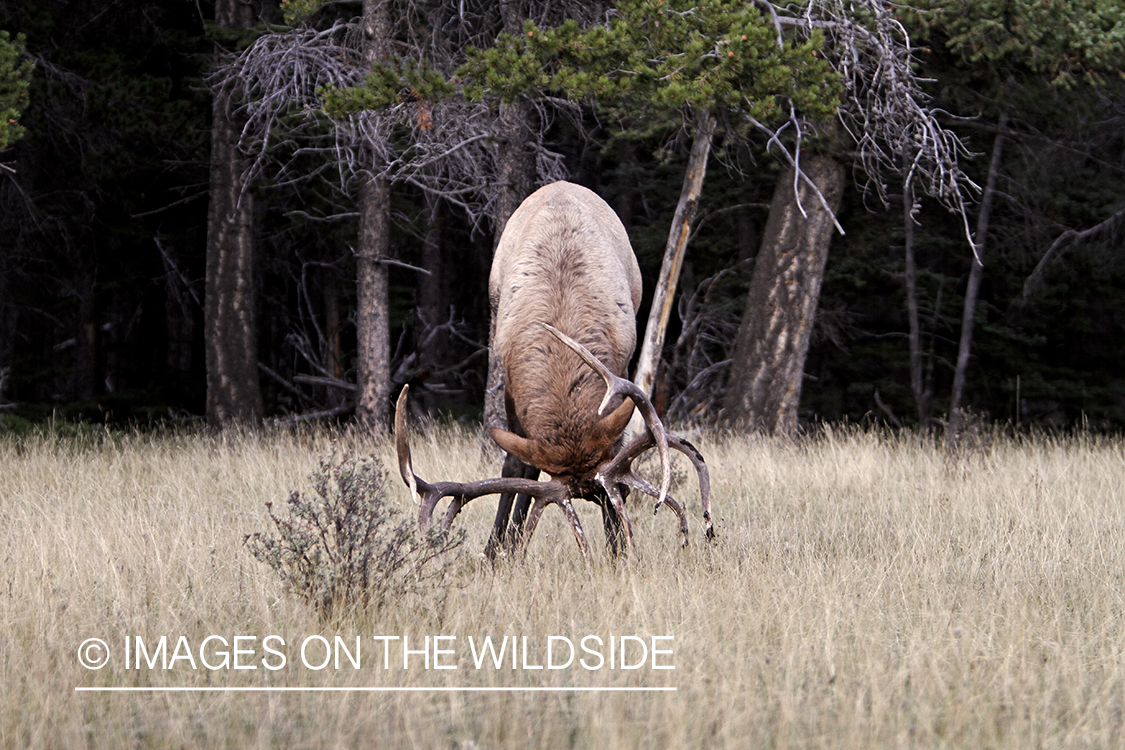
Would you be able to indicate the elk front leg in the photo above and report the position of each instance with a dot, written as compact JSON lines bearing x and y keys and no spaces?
{"x":617,"y":497}
{"x":611,"y":522}
{"x":506,"y":536}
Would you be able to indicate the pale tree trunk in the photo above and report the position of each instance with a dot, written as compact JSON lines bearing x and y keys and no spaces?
{"x":773,"y":339}
{"x":972,"y":290}
{"x":230,"y":307}
{"x":516,"y":166}
{"x":373,"y":337}
{"x":674,"y":250}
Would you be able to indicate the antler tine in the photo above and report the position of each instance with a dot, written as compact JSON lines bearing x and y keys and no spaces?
{"x":638,"y":482}
{"x":425,"y":494}
{"x":612,"y":382}
{"x":619,"y":466}
{"x":704,"y":475}
{"x":402,"y":445}
{"x":618,"y":385}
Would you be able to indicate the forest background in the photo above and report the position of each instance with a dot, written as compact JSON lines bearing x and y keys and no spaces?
{"x":126,"y":133}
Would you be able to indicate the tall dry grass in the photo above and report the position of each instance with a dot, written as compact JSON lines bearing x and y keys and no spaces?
{"x":865,"y":591}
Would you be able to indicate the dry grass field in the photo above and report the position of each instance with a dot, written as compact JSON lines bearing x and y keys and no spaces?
{"x":865,"y":591}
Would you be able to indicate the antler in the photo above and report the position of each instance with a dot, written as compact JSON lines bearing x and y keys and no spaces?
{"x":427,"y":495}
{"x":619,"y":469}
{"x":620,"y":386}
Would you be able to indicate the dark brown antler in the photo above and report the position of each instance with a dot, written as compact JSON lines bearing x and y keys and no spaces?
{"x":428,"y":495}
{"x":623,"y":460}
{"x":618,"y":470}
{"x":620,"y":386}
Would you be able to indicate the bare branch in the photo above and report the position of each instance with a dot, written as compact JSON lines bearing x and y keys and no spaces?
{"x":448,"y":148}
{"x":885,"y":109}
{"x":328,"y":382}
{"x":1070,"y":236}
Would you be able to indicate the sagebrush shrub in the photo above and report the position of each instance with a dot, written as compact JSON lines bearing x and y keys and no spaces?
{"x":343,"y":548}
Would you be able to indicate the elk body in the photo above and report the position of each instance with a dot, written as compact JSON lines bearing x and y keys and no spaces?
{"x":564,"y":292}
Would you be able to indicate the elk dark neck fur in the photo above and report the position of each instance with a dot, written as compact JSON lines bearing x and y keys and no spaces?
{"x":559,"y":407}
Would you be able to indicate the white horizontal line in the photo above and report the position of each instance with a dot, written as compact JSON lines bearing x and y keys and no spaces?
{"x":281,"y":689}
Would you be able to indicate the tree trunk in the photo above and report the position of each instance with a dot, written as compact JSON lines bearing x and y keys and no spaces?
{"x":517,"y":172}
{"x":674,"y":250}
{"x":230,"y":307}
{"x":972,"y":290}
{"x":85,"y":373}
{"x":373,"y":354}
{"x":773,"y":340}
{"x":516,"y":177}
{"x":330,"y":292}
{"x":917,"y":384}
{"x":373,"y":332}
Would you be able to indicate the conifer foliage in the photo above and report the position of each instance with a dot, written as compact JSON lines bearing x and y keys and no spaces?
{"x":15,"y":75}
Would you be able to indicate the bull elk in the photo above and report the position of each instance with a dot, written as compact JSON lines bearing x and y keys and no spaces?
{"x":564,"y":290}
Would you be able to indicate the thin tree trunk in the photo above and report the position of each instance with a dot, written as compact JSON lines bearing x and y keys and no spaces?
{"x":432,"y":302}
{"x":674,"y":250}
{"x":333,"y":360}
{"x":516,"y":178}
{"x":972,"y":290}
{"x":373,"y":337}
{"x":773,"y":339}
{"x":85,"y":371}
{"x":230,"y":307}
{"x":921,"y":395}
{"x":373,"y":344}
{"x":433,"y":307}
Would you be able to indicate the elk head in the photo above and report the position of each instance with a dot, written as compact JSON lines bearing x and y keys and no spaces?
{"x":564,"y":292}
